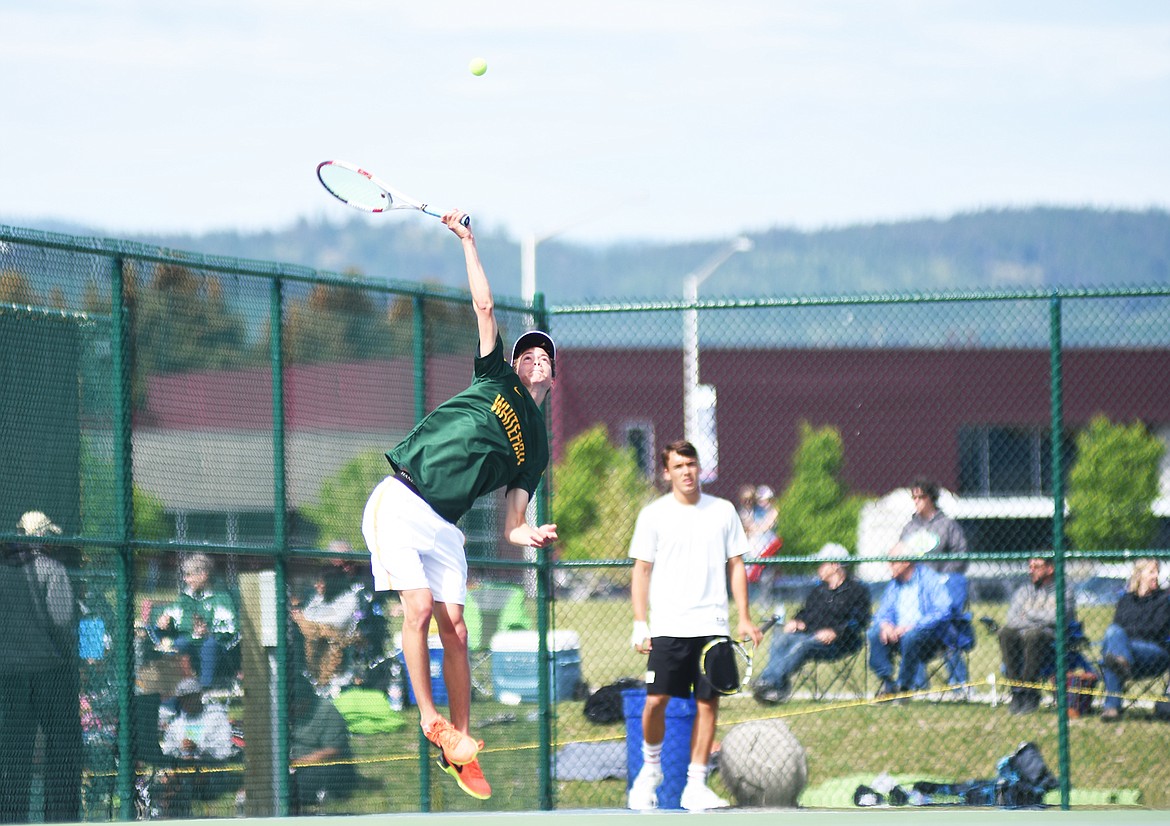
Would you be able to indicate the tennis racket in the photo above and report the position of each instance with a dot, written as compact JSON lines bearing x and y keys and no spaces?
{"x":920,"y":543}
{"x":727,"y":664}
{"x":355,"y":186}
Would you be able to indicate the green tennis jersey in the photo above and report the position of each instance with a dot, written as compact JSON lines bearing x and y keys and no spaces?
{"x":489,"y":436}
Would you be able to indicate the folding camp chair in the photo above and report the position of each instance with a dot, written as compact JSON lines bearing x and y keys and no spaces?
{"x":833,"y":673}
{"x":1082,"y":673}
{"x":842,"y":678}
{"x":956,"y":639}
{"x":1143,"y":689}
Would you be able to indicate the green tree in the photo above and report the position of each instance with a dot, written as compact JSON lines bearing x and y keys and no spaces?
{"x":98,"y":504}
{"x":450,"y":324}
{"x":180,"y":322}
{"x":816,"y":508}
{"x":1112,"y":487}
{"x":342,"y":499}
{"x":339,"y":323}
{"x":15,"y":288}
{"x":150,"y":519}
{"x":183,"y":321}
{"x":597,"y":493}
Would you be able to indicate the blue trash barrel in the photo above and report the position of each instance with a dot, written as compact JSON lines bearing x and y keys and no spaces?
{"x":676,"y":748}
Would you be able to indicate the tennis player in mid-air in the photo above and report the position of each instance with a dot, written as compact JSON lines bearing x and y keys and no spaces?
{"x":489,"y":436}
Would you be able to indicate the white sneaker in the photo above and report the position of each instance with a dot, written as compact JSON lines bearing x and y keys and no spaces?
{"x":644,"y":791}
{"x":698,"y":797}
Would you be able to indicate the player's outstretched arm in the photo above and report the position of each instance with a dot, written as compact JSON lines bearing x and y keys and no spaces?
{"x":516,"y":527}
{"x":481,"y":291}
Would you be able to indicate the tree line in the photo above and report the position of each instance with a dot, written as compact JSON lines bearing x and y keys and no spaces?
{"x":1006,"y":248}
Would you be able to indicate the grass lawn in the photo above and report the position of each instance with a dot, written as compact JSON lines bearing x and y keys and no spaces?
{"x":952,"y":740}
{"x":924,"y":738}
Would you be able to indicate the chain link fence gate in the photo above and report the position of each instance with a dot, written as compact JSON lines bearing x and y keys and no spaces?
{"x":172,"y":413}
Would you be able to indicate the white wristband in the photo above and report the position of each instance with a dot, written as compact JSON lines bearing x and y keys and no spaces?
{"x":641,"y":633}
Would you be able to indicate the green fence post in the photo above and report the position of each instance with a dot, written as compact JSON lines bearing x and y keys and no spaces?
{"x":544,"y":685}
{"x":419,"y":359}
{"x":1056,"y":400}
{"x":544,"y":598}
{"x":124,"y":528}
{"x":279,"y":536}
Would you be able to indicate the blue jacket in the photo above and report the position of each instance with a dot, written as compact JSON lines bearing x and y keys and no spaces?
{"x":934,"y":602}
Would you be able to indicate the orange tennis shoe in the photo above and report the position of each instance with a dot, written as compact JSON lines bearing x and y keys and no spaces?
{"x":458,"y":749}
{"x":469,"y":777}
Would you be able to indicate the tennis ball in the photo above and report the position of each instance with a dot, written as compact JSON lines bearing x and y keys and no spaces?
{"x":478,"y":66}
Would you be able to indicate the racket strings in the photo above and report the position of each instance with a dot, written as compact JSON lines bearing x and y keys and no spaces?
{"x":727,"y":665}
{"x":355,"y":188}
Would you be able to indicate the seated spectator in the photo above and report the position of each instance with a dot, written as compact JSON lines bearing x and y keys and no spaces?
{"x":328,"y":623}
{"x":320,"y":758}
{"x":934,"y":534}
{"x":956,"y":633}
{"x":1137,"y":644}
{"x":1027,"y":638}
{"x":195,"y":735}
{"x":907,"y":624}
{"x":828,"y":626}
{"x":202,"y":622}
{"x":197,"y":732}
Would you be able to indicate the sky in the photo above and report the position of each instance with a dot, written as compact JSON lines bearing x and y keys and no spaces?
{"x":599,"y":121}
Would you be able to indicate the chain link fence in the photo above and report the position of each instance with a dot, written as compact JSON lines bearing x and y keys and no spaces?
{"x":819,"y":416}
{"x":204,"y":433}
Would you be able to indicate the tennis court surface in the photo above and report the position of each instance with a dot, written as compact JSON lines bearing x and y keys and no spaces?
{"x":756,"y":817}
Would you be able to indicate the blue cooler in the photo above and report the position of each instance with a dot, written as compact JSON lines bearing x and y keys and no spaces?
{"x":438,"y":687}
{"x":676,"y":748}
{"x":514,"y":665}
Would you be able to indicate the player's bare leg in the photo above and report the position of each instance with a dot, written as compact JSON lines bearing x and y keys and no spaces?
{"x":703,"y":734}
{"x":457,"y":676}
{"x":643,"y":794}
{"x":456,"y":666}
{"x":697,"y":796}
{"x":418,"y":608}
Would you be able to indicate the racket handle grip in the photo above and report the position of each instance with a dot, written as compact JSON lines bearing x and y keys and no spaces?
{"x":465,"y":220}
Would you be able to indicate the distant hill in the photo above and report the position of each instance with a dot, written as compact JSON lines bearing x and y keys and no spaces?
{"x":1010,"y":248}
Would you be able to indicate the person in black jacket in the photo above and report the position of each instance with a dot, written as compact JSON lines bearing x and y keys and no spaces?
{"x":1137,"y":644}
{"x":829,"y":626}
{"x":40,"y":678}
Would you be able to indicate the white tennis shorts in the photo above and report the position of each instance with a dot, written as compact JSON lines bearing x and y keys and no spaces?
{"x":411,"y":546}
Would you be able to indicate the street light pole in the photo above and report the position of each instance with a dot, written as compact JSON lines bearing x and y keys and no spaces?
{"x":530,"y":239}
{"x":528,"y":244}
{"x":691,"y":387}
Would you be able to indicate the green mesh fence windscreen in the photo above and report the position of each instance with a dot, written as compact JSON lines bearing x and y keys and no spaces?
{"x":204,"y":434}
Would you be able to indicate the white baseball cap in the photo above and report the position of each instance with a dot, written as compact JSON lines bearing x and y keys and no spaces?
{"x":832,"y":552}
{"x":35,"y":523}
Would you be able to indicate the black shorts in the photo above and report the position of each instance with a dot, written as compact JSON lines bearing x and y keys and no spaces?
{"x":673,"y":668}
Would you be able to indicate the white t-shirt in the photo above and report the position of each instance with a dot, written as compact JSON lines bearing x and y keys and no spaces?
{"x":689,"y":546}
